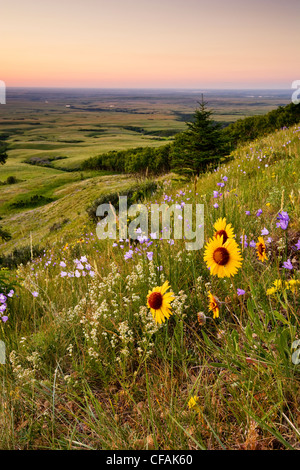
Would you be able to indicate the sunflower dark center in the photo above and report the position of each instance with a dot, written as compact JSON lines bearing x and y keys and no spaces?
{"x":155,"y":300}
{"x":261,"y":249}
{"x":222,"y":232}
{"x":221,"y":256}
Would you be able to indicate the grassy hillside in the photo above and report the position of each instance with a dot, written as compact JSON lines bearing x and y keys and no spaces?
{"x":87,"y":365}
{"x":63,"y":198}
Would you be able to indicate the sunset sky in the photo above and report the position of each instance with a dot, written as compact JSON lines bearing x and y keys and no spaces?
{"x":150,"y":44}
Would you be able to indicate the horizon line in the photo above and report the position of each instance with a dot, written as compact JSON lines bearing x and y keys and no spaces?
{"x":142,"y":88}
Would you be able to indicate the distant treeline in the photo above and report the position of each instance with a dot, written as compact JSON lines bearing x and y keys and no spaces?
{"x":253,"y":127}
{"x":135,"y":160}
{"x":158,"y":133}
{"x":204,"y":144}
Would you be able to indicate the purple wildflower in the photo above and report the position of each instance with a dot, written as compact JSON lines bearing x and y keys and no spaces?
{"x":128,"y":254}
{"x":150,"y":255}
{"x":283,"y":218}
{"x":142,"y":238}
{"x":288,"y":265}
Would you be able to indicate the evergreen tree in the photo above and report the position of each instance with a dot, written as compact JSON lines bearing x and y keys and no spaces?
{"x":202,"y":144}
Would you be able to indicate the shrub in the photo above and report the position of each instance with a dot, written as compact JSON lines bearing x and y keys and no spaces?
{"x":33,"y":201}
{"x":58,"y":225}
{"x":20,"y":256}
{"x":4,"y":235}
{"x":134,"y":194}
{"x":11,"y":180}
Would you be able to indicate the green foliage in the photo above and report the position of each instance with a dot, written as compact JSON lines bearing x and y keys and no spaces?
{"x":253,"y":127}
{"x":6,"y":282}
{"x":58,"y":225}
{"x":141,"y":160}
{"x":33,"y":201}
{"x":134,"y":194}
{"x":3,"y":147}
{"x":11,"y":180}
{"x":44,"y":161}
{"x":159,"y":133}
{"x":3,"y":154}
{"x":4,"y":234}
{"x":202,"y":145}
{"x":20,"y":256}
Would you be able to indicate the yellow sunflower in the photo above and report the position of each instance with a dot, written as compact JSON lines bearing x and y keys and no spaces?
{"x":213,"y":305}
{"x":158,"y":300}
{"x":223,"y":259}
{"x":222,"y":228}
{"x":261,"y":249}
